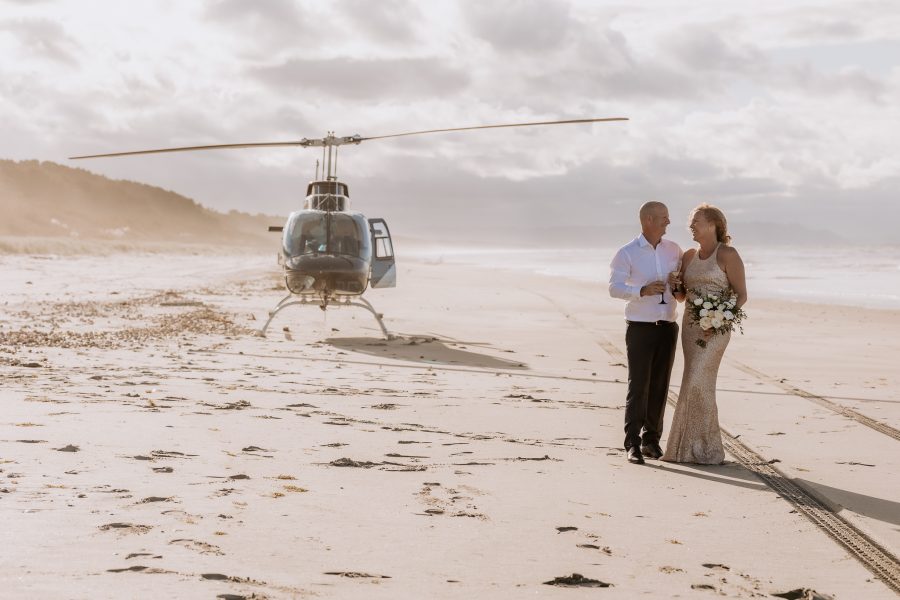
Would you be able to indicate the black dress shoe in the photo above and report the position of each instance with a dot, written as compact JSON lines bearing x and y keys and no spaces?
{"x":651,"y":450}
{"x":635,"y":456}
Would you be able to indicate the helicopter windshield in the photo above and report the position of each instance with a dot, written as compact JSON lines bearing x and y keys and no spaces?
{"x":315,"y":232}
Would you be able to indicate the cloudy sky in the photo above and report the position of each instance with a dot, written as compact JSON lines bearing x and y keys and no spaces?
{"x":779,"y":112}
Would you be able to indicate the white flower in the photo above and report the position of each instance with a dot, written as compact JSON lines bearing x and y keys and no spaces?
{"x":714,"y":298}
{"x":716,"y":322}
{"x":721,"y":307}
{"x":703,"y":312}
{"x":718,"y":315}
{"x":705,"y":323}
{"x":707,"y":305}
{"x":698,"y":301}
{"x":728,"y":315}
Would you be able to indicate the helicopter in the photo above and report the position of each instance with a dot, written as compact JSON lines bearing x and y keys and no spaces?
{"x":329,"y":253}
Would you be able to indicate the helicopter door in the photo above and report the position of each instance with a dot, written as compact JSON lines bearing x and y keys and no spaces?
{"x":384,"y":272}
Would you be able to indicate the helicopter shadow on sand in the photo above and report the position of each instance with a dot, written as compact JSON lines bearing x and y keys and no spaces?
{"x":425,"y":349}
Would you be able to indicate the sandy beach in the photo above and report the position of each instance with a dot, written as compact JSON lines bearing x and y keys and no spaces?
{"x":152,"y":445}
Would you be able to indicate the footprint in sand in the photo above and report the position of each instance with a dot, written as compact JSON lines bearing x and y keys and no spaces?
{"x":150,"y":499}
{"x":357,"y":574}
{"x":577,"y":580}
{"x":198,"y":546}
{"x":126,"y":528}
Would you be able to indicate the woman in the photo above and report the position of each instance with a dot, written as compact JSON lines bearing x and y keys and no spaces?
{"x":713,"y":266}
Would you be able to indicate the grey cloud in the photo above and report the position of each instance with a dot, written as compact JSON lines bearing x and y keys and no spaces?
{"x":388,"y":21}
{"x":533,"y":26}
{"x":826,"y":29}
{"x":850,"y":80}
{"x":700,"y":48}
{"x":43,"y":38}
{"x":283,"y":12}
{"x":357,"y":79}
{"x":267,"y":27}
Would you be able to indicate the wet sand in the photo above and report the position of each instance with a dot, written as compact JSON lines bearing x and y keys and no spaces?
{"x":152,"y":445}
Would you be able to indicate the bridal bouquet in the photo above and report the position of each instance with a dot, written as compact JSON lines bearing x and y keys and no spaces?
{"x":716,"y":312}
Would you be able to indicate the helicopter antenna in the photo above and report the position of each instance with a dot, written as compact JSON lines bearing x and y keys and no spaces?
{"x":317,"y":168}
{"x":336,"y":148}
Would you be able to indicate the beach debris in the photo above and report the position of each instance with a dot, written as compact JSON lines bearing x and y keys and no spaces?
{"x":150,"y":499}
{"x":385,"y":406}
{"x":702,"y":586}
{"x":254,"y":449}
{"x":69,"y":448}
{"x":169,"y":454}
{"x":566,"y":528}
{"x":854,"y":463}
{"x":395,"y":455}
{"x":577,"y":580}
{"x":238,"y":476}
{"x":32,"y":441}
{"x":669,"y":570}
{"x":717,"y":566}
{"x":356,"y":574}
{"x":803,"y":594}
{"x":544,"y":457}
{"x":239,"y":405}
{"x":349,"y":462}
{"x":162,"y":469}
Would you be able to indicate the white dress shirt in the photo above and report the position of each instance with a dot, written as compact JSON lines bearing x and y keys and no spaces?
{"x":638,"y":263}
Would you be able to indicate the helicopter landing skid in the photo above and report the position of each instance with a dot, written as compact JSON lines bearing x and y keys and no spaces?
{"x":363,"y":303}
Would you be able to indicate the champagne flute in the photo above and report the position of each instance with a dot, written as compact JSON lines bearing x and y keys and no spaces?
{"x":662,"y":297}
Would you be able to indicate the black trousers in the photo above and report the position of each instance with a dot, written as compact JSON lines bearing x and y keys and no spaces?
{"x":651,"y":353}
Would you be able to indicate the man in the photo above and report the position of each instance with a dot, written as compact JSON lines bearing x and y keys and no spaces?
{"x":639,"y":272}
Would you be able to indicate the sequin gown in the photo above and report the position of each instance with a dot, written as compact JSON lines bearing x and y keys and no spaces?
{"x":694,"y":436}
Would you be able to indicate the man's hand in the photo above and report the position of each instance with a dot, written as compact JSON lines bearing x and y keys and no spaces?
{"x":654,"y":288}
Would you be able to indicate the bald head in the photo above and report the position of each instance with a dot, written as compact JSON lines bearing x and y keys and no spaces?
{"x":654,"y":220}
{"x":652,"y":208}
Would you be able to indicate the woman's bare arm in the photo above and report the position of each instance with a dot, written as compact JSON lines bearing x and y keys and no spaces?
{"x":734,"y":269}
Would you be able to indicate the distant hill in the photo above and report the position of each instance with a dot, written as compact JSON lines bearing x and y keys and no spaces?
{"x":45,"y":199}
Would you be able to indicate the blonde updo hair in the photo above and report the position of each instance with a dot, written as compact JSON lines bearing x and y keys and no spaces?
{"x":714,"y":215}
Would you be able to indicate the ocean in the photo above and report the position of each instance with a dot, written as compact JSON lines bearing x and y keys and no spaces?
{"x":853,"y":276}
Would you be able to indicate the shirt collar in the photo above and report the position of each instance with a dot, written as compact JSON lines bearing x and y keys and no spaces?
{"x":642,"y":241}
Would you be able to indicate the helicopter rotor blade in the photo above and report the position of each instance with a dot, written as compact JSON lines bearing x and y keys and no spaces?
{"x":331,"y":140}
{"x":190,"y":148}
{"x":381,"y":137}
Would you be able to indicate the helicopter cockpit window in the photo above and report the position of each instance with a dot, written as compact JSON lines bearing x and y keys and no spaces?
{"x":312,"y":236}
{"x":344,"y":235}
{"x":324,"y":233}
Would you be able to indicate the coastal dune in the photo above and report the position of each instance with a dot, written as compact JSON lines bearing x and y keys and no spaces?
{"x":151,"y":442}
